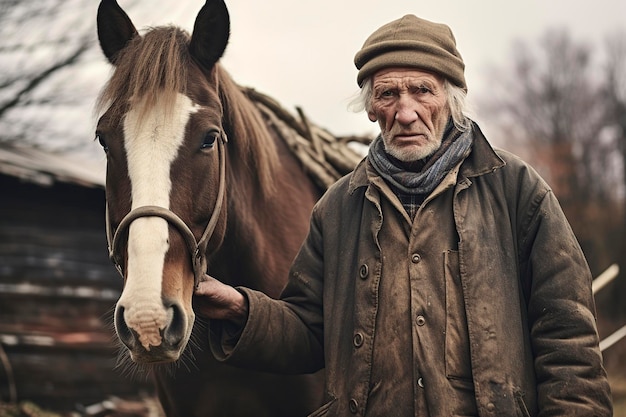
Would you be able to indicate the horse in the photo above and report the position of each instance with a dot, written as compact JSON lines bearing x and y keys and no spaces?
{"x":196,"y":180}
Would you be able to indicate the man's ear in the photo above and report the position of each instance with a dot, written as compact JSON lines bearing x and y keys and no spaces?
{"x":372,"y":116}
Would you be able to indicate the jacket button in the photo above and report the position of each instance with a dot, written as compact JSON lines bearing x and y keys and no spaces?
{"x":420,"y":320}
{"x":358,"y":340}
{"x":416,"y":258}
{"x":491,"y":407}
{"x":420,"y":382}
{"x":354,"y":406}
{"x":363,"y":271}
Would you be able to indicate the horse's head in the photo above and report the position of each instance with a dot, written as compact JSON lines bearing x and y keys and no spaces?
{"x":161,"y":129}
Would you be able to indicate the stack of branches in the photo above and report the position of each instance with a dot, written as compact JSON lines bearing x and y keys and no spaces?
{"x":324,"y":156}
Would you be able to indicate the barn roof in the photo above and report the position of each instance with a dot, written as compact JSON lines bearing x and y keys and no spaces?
{"x":46,"y":168}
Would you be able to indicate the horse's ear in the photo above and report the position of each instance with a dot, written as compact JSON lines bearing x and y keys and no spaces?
{"x":115,"y":29}
{"x":210,"y":33}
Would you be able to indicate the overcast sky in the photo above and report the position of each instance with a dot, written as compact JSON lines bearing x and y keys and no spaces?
{"x":301,"y":53}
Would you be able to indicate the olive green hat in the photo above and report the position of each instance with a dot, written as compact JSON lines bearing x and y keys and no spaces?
{"x":411,"y":42}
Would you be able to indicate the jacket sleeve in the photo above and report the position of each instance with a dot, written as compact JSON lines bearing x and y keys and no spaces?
{"x":284,"y":335}
{"x":570,"y":376}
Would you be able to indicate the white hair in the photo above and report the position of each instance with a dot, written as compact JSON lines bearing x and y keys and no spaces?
{"x":362,"y":101}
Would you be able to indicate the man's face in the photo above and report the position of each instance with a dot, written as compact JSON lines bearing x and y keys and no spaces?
{"x":411,"y":108}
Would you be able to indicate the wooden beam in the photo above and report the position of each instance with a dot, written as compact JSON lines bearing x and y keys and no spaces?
{"x":604,"y":278}
{"x":613,"y":338}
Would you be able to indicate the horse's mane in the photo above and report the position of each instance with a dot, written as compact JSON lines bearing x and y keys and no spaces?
{"x":253,"y":141}
{"x":153,"y":69}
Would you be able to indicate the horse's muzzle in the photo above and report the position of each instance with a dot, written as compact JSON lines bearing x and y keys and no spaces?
{"x":149,"y":342}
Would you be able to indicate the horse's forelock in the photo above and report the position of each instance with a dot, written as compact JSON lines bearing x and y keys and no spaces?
{"x":151,"y":69}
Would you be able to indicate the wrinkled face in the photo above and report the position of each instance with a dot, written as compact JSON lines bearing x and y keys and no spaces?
{"x":411,"y":108}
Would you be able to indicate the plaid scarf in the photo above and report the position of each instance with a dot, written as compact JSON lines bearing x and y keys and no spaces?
{"x":414,"y":181}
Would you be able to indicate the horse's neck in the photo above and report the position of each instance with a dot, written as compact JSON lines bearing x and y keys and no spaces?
{"x":250,"y":255}
{"x":269,"y":201}
{"x":264,"y":232}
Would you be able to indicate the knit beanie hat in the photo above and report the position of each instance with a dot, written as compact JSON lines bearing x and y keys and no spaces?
{"x":411,"y":42}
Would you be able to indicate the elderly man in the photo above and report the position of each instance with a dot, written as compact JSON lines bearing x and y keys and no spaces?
{"x":440,"y":278}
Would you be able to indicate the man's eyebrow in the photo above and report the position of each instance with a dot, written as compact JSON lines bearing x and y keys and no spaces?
{"x":426,"y":82}
{"x":385,"y":83}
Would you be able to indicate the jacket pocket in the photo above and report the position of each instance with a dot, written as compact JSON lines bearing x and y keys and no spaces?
{"x":457,"y":354}
{"x":323,"y":410}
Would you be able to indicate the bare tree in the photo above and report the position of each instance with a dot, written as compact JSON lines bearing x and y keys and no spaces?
{"x":40,"y":39}
{"x":568,"y":117}
{"x":614,"y":94}
{"x":549,"y":100}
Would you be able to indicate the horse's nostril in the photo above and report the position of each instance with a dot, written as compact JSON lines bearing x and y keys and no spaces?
{"x":123,"y":331}
{"x":175,"y":332}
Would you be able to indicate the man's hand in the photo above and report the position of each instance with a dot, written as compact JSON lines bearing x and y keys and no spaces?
{"x":216,"y":300}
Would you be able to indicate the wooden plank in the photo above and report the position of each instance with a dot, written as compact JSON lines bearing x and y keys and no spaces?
{"x":59,"y":378}
{"x":613,"y":338}
{"x":604,"y":278}
{"x":57,"y":292}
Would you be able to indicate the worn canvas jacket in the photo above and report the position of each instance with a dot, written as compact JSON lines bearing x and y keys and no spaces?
{"x":526,"y":285}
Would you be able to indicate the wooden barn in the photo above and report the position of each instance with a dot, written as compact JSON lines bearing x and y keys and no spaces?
{"x":57,"y":286}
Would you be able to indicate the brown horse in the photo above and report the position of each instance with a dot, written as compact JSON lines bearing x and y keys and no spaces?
{"x":195,"y":180}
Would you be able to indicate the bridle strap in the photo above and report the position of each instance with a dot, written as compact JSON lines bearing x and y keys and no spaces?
{"x":197,"y":249}
{"x":151,"y":211}
{"x":199,"y":256}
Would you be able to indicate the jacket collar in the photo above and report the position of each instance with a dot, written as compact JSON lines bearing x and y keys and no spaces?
{"x":481,"y":160}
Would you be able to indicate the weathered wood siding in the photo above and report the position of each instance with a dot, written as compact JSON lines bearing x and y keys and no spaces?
{"x":57,"y":291}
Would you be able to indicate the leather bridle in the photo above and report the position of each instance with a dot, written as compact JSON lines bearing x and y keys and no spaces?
{"x":197,"y":248}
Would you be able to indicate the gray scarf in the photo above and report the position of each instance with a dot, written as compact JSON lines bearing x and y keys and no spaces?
{"x":455,"y":146}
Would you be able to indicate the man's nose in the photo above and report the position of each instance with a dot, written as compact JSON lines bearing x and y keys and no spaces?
{"x":406,"y":111}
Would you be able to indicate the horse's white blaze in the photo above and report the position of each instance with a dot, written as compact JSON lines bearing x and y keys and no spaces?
{"x":151,"y":147}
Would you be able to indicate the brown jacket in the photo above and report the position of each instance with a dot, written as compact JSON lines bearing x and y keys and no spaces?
{"x":527,"y":289}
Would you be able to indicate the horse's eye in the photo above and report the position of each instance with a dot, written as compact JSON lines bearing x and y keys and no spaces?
{"x":102,"y":142}
{"x":209,"y":139}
